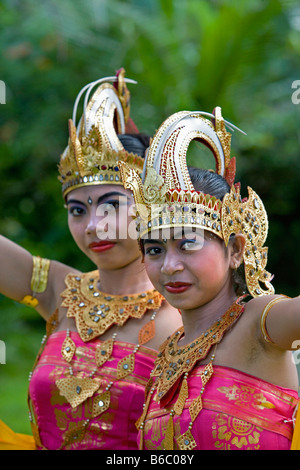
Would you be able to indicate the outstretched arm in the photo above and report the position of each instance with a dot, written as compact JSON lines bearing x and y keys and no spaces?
{"x":280,"y":321}
{"x":15,"y":269}
{"x":18,"y":268}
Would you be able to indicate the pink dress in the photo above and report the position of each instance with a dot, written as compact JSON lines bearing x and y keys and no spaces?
{"x":240,"y":412}
{"x":59,"y":426}
{"x":86,"y":393}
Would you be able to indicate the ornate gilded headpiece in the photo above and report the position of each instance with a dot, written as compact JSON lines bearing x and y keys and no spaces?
{"x":166,"y":198}
{"x":94,"y":147}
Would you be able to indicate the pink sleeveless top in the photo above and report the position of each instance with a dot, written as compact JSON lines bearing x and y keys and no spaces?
{"x":62,"y":427}
{"x":240,"y":412}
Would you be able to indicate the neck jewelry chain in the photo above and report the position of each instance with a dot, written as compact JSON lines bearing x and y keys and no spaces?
{"x":174,"y":363}
{"x":95,"y":312}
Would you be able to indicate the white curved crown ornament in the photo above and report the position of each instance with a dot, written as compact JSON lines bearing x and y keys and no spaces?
{"x":94,"y":147}
{"x":166,"y":198}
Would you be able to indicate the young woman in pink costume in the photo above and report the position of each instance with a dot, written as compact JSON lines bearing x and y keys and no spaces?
{"x":226,"y":379}
{"x":104,"y":327}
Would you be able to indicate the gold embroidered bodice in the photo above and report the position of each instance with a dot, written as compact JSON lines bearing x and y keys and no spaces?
{"x":96,"y":381}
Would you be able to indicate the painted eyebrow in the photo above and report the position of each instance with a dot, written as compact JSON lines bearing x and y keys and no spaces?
{"x":100,"y":199}
{"x":151,"y":242}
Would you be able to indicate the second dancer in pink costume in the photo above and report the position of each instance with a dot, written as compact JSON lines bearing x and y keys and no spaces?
{"x":226,"y":379}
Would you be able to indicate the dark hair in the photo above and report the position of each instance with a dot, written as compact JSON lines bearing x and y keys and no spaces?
{"x":135,"y":143}
{"x":211,"y":183}
{"x":208,"y":182}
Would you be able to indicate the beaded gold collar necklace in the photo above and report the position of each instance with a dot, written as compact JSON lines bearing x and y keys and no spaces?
{"x":174,"y":363}
{"x":95,"y":312}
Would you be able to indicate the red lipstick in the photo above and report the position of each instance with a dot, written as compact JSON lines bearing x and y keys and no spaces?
{"x":99,"y":247}
{"x":177,"y":287}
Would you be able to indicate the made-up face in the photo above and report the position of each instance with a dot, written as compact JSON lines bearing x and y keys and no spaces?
{"x":100,"y":222}
{"x":188,"y":269}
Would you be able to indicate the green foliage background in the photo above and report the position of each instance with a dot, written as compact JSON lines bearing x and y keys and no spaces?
{"x":192,"y":54}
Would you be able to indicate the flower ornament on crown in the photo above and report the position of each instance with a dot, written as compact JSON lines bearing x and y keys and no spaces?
{"x":166,"y":198}
{"x":94,"y":147}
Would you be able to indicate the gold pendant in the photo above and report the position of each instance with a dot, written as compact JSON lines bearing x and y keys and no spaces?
{"x":207,"y":373}
{"x":195,"y":407}
{"x":103,"y":352}
{"x":168,"y":440}
{"x":68,"y":349}
{"x":75,"y":434}
{"x":125,"y":366}
{"x":100,"y":403}
{"x":186,"y":441}
{"x":77,"y":390}
{"x":147,"y":332}
{"x":183,"y":396}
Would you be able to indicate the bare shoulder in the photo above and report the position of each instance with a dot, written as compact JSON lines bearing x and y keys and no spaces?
{"x":274,"y":319}
{"x":279,"y":319}
{"x":50,"y":300}
{"x":245,"y":348}
{"x":254,"y":310}
{"x":258,"y":304}
{"x":58,"y":272}
{"x":247,"y":334}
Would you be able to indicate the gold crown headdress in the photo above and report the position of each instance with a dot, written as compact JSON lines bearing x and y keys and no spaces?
{"x":166,"y":198}
{"x":94,"y":147}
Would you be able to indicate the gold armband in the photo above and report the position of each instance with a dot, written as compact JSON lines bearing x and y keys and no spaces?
{"x":39,"y":280}
{"x":265,"y":314}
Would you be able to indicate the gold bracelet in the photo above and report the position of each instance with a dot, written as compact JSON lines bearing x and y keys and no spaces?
{"x":39,"y":280}
{"x":40,"y":271}
{"x":264,"y":317}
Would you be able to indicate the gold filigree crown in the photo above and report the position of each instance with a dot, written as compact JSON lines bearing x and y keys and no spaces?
{"x":94,"y":147}
{"x":166,"y":198}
